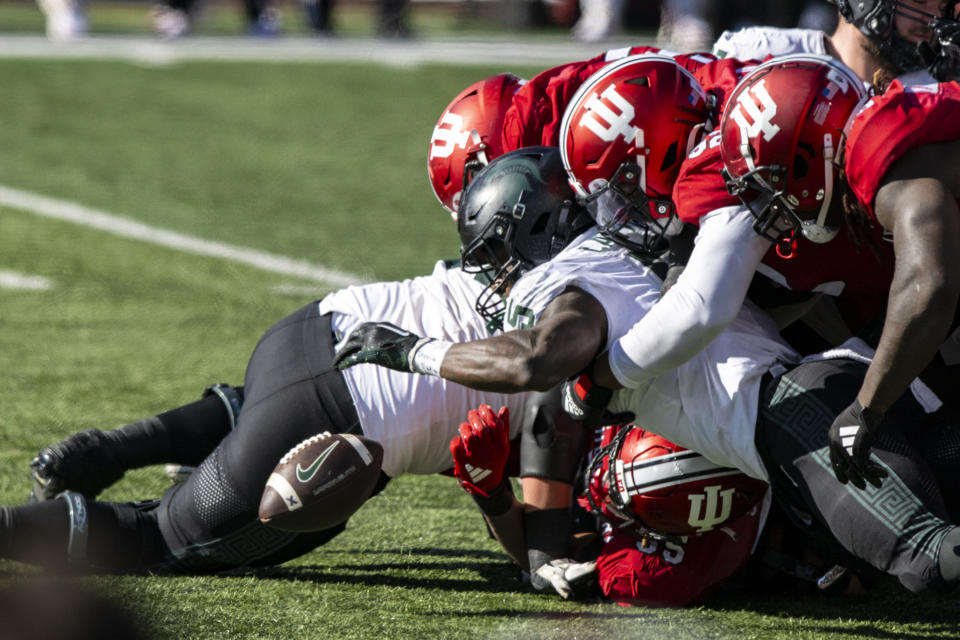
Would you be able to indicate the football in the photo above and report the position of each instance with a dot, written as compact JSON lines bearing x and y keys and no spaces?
{"x":321,"y":482}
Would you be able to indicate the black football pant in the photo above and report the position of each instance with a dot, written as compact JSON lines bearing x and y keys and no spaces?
{"x":898,"y":528}
{"x":209,"y":523}
{"x":292,"y":392}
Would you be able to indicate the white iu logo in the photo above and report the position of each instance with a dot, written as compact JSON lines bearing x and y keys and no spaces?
{"x":761,"y":114}
{"x":714,"y":513}
{"x":445,"y":139}
{"x":606,"y":123}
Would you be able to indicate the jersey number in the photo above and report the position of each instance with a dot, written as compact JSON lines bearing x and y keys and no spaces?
{"x":672,"y":552}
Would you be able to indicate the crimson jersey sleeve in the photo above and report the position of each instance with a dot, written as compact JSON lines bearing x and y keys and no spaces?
{"x":857,"y":271}
{"x":536,"y":112}
{"x":675,"y":574}
{"x":700,"y":188}
{"x":720,"y":77}
{"x":890,"y":125}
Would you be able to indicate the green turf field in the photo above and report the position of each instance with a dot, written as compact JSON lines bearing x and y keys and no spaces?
{"x":317,"y":162}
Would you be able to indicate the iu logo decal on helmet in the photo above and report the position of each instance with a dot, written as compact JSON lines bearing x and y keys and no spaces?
{"x":623,"y":136}
{"x":782,"y":132}
{"x":467,"y":136}
{"x":646,"y":485}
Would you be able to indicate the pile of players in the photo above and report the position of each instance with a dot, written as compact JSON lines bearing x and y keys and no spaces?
{"x":749,"y":258}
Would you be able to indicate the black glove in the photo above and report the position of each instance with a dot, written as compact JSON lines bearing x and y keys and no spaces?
{"x":378,"y":343}
{"x":941,"y":56}
{"x":587,"y":402}
{"x":851,"y":436}
{"x":548,"y":534}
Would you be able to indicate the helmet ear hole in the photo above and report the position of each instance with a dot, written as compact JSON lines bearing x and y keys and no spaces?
{"x":800,"y":167}
{"x":540,"y":225}
{"x":670,"y":158}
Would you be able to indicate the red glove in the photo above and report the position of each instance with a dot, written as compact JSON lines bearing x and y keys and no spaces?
{"x":481,"y":450}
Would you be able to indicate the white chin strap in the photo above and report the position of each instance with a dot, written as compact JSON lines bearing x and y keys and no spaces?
{"x":815,"y":231}
{"x":482,"y":149}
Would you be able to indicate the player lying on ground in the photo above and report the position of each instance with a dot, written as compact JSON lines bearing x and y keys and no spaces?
{"x":291,"y":392}
{"x":660,"y":544}
{"x":734,"y":402}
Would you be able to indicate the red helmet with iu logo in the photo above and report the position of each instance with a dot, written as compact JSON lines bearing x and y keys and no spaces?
{"x":782,"y":134}
{"x":646,"y":485}
{"x":624,"y":135}
{"x":467,"y":136}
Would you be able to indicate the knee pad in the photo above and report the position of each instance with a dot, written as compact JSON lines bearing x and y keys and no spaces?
{"x":232,"y":398}
{"x":79,"y":527}
{"x":551,"y":444}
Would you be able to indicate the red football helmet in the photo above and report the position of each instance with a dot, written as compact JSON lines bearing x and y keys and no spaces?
{"x":782,"y":134}
{"x":467,"y":136}
{"x":623,"y":137}
{"x":646,"y":485}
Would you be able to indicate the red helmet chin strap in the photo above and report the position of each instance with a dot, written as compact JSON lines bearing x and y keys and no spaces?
{"x":787,"y":245}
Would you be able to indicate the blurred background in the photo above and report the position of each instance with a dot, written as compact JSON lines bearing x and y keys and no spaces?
{"x":683,"y":24}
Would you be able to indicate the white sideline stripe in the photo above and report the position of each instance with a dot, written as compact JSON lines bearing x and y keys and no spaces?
{"x":15,"y":280}
{"x":147,"y":49}
{"x":123,"y":227}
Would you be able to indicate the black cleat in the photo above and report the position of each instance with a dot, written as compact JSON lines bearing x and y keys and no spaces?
{"x":85,"y":462}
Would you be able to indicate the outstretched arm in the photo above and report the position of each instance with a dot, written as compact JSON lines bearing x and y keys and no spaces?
{"x":568,"y":335}
{"x":703,"y":302}
{"x":536,"y":538}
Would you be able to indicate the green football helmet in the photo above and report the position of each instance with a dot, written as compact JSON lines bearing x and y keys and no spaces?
{"x":517,"y":213}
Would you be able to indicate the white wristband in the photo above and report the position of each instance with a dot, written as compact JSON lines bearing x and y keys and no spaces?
{"x":427,"y":356}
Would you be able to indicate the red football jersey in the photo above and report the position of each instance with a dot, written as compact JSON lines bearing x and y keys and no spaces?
{"x":857,"y":272}
{"x":536,"y":112}
{"x":700,"y":189}
{"x":890,"y":125}
{"x":674,"y":574}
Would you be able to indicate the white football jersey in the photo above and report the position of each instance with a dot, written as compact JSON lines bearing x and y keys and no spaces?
{"x":756,"y":43}
{"x":594,"y":263}
{"x":414,"y":416}
{"x":710,"y":403}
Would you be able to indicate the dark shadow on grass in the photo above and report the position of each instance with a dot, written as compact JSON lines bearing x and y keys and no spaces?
{"x":614,"y":613}
{"x":886,"y":603}
{"x":422,"y":551}
{"x":494,"y":577}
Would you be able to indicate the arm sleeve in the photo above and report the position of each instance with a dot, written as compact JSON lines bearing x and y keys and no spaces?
{"x":702,"y":303}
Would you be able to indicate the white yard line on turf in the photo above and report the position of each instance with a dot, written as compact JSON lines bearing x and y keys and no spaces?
{"x":145,"y":49}
{"x":72,"y":212}
{"x":17,"y":280}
